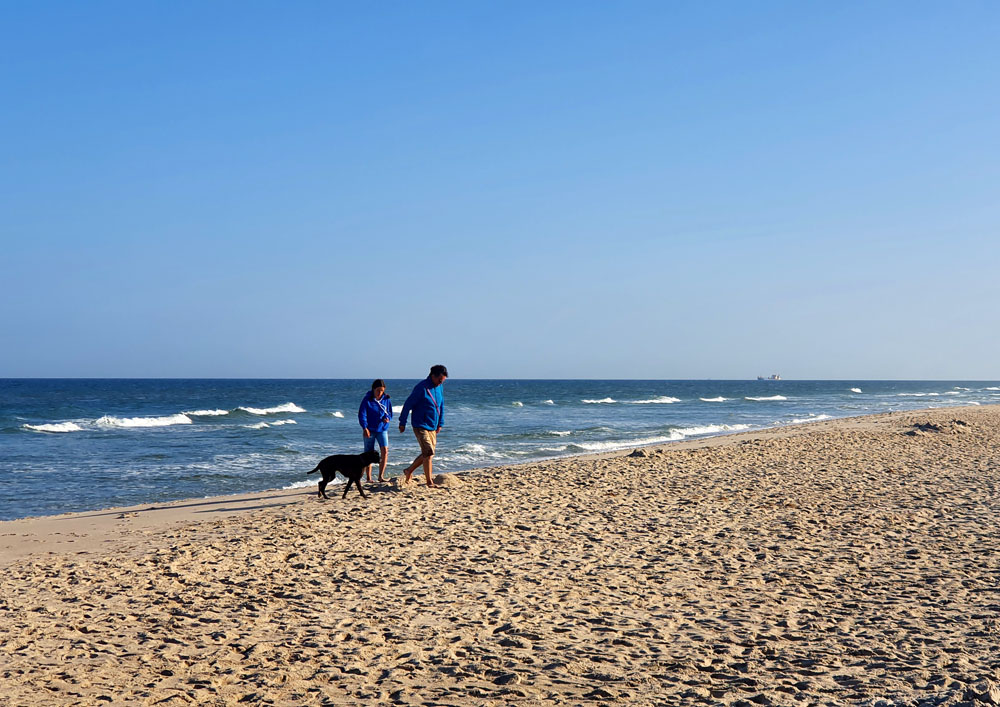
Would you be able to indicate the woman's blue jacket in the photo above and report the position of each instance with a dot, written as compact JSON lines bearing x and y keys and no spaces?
{"x":372,"y":411}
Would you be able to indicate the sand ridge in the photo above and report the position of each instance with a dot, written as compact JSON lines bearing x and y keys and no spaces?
{"x":844,"y":562}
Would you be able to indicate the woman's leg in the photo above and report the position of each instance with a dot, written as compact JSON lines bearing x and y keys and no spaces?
{"x":383,"y":448}
{"x":369,"y":446}
{"x":381,"y":463}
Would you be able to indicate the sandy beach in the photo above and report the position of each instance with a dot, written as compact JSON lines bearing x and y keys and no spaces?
{"x":843,"y":562}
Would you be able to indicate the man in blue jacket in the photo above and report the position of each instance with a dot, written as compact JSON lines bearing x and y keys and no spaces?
{"x":427,"y":403}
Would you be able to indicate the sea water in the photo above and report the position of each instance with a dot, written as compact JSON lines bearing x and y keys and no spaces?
{"x":75,"y":445}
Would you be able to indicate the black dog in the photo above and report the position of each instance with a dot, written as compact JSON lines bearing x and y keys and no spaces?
{"x":349,"y":465}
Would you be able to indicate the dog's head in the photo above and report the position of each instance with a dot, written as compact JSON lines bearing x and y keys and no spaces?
{"x":370,"y":457}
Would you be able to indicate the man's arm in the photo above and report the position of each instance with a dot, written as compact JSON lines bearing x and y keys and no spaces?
{"x":406,"y":411}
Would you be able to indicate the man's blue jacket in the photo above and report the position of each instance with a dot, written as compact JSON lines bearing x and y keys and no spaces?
{"x":427,"y":403}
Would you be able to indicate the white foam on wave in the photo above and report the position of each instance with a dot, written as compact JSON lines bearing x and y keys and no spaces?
{"x":55,"y":427}
{"x":561,"y":448}
{"x":471,"y":448}
{"x":517,"y":404}
{"x":287,"y":407}
{"x":765,"y":398}
{"x":855,"y":390}
{"x":918,"y":395}
{"x":958,"y":387}
{"x":337,"y":413}
{"x":603,"y":400}
{"x":308,"y":483}
{"x":993,"y":387}
{"x":165,"y":421}
{"x":257,"y":426}
{"x":710,"y":429}
{"x":719,"y":399}
{"x":812,"y":418}
{"x":283,"y":422}
{"x":662,"y":400}
{"x":559,"y":433}
{"x":206,"y":413}
{"x":475,"y":453}
{"x":548,"y":402}
{"x":626,"y":444}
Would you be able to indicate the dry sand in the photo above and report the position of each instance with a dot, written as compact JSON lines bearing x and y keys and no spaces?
{"x":844,"y":562}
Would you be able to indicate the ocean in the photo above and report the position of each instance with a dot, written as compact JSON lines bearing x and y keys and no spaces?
{"x":79,"y":445}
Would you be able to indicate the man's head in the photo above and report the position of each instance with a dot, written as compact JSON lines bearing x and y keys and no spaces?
{"x":438,"y":374}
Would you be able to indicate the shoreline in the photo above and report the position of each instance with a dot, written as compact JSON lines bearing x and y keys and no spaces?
{"x":86,"y":531}
{"x":847,"y":561}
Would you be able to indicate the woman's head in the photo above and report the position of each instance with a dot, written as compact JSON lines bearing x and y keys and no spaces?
{"x":378,"y":386}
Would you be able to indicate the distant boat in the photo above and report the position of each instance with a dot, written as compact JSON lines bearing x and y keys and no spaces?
{"x":772,"y":377}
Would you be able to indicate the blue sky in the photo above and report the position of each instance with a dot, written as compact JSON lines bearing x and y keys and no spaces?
{"x":515,"y":189}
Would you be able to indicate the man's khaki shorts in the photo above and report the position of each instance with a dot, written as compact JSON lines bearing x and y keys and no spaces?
{"x":427,"y":439}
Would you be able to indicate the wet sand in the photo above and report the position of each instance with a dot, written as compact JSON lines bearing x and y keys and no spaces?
{"x":842,"y":562}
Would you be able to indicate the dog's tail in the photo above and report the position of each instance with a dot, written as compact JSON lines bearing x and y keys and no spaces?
{"x":314,"y":470}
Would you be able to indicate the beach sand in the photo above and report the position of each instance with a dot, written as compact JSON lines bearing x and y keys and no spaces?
{"x":842,"y":562}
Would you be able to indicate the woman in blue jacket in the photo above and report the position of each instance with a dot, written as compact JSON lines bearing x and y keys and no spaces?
{"x":374,"y":415}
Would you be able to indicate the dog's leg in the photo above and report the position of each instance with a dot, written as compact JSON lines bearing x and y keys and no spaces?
{"x":360,"y":490}
{"x":322,"y":490}
{"x":347,"y":487}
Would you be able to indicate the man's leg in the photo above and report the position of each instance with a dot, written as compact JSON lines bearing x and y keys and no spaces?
{"x":429,"y":442}
{"x":408,"y":472}
{"x":428,"y":467}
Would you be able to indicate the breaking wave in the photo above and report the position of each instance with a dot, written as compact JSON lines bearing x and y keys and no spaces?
{"x":812,"y":418}
{"x":206,"y":413}
{"x":603,"y":400}
{"x":308,"y":483}
{"x":675,"y":435}
{"x":55,"y":427}
{"x":287,"y":407}
{"x":613,"y":445}
{"x":165,"y":421}
{"x":663,"y":399}
{"x":766,"y":398}
{"x":478,"y":453}
{"x":719,"y":399}
{"x":855,"y":390}
{"x":710,"y":429}
{"x":472,"y":448}
{"x":337,"y":413}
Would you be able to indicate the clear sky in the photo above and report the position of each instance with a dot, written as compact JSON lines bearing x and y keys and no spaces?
{"x":515,"y":189}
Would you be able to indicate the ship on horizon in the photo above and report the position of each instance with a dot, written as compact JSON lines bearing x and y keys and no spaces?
{"x":772,"y":377}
